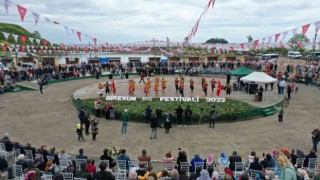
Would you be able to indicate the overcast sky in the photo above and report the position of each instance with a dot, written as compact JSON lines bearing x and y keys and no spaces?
{"x":124,"y":21}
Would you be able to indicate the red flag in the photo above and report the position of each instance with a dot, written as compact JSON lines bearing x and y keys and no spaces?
{"x":277,"y":36}
{"x":79,"y":35}
{"x":22,"y":12}
{"x":113,"y":86}
{"x":242,"y":45}
{"x":23,"y":39}
{"x":219,"y":88}
{"x":95,"y":41}
{"x":305,"y":29}
{"x":4,"y":48}
{"x":44,"y":42}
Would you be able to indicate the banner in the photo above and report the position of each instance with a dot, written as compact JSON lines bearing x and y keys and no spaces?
{"x":22,"y":11}
{"x":305,"y":28}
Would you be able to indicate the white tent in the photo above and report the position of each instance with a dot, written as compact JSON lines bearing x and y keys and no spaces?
{"x":259,"y":77}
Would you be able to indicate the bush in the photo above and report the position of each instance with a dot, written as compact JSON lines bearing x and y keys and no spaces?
{"x":227,"y":111}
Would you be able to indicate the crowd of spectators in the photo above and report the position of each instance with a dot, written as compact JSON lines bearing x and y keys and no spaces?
{"x":278,"y":163}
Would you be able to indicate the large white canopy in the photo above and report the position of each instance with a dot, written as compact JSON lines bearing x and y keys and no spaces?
{"x":259,"y":77}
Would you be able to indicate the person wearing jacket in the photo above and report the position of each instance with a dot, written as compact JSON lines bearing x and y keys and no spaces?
{"x":188,"y":114}
{"x":288,"y":172}
{"x":125,"y":119}
{"x":83,"y":173}
{"x":153,"y":126}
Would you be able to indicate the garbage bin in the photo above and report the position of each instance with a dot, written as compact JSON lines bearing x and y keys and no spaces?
{"x":110,"y":76}
{"x":256,"y":97}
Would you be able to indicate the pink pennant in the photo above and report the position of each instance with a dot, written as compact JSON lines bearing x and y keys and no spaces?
{"x":277,"y":36}
{"x":79,"y":35}
{"x":44,"y":42}
{"x":22,"y":12}
{"x":95,"y":41}
{"x":23,"y":39}
{"x":305,"y":28}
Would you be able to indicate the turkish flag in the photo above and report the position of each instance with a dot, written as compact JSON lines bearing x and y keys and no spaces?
{"x":45,"y":42}
{"x":113,"y":86}
{"x":23,"y":39}
{"x":22,"y":12}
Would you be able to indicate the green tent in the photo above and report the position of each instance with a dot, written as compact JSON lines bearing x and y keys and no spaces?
{"x":240,"y":72}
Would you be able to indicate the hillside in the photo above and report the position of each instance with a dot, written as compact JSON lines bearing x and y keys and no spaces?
{"x":18,"y":30}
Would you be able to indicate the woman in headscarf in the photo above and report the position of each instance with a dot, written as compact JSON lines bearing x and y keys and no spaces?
{"x":223,"y":159}
{"x":204,"y":175}
{"x":228,"y":171}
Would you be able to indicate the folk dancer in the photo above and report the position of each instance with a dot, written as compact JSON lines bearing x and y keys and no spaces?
{"x":191,"y":84}
{"x":181,"y":88}
{"x":156,"y":87}
{"x":205,"y":88}
{"x":176,"y":83}
{"x":163,"y":84}
{"x":107,"y":87}
{"x":213,"y":84}
{"x":149,"y":83}
{"x":146,"y":89}
{"x":203,"y":79}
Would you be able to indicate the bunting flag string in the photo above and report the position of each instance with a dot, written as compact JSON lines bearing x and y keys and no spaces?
{"x":305,"y":28}
{"x":277,"y":36}
{"x":79,"y":35}
{"x":6,"y":35}
{"x":31,"y":40}
{"x":15,"y":37}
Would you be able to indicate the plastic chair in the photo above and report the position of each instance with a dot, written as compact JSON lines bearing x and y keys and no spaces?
{"x":105,"y":161}
{"x":133,"y":165}
{"x":63,"y":164}
{"x":122,"y":166}
{"x":169,"y":166}
{"x":80,"y":161}
{"x":198,"y":164}
{"x":238,"y":168}
{"x":50,"y":158}
{"x":67,"y":176}
{"x":4,"y":152}
{"x":16,"y":154}
{"x":29,"y":154}
{"x":186,"y":167}
{"x":120,"y":176}
{"x":18,"y":170}
{"x":312,"y":165}
{"x":253,"y":174}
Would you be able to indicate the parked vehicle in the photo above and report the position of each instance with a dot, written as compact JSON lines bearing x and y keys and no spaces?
{"x":270,"y":58}
{"x":294,"y":55}
{"x":3,"y":67}
{"x":28,"y":65}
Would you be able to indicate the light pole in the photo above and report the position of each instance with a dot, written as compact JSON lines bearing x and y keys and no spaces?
{"x":314,"y":46}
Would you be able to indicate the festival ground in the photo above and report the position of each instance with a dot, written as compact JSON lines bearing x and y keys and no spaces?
{"x":51,"y":119}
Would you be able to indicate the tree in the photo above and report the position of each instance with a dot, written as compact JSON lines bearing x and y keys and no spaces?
{"x":297,"y":42}
{"x":217,"y":41}
{"x":37,"y":34}
{"x":250,"y":39}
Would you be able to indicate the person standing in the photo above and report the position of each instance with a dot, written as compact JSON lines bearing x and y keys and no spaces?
{"x":148,"y":115}
{"x":213,"y":117}
{"x":125,"y":119}
{"x":179,"y":112}
{"x":282,"y":85}
{"x":205,"y":88}
{"x":41,"y":86}
{"x":289,"y":90}
{"x":82,"y":116}
{"x":97,"y":107}
{"x":280,"y":114}
{"x":79,"y":132}
{"x":192,"y":84}
{"x":94,"y":127}
{"x":260,"y":93}
{"x":107,"y":87}
{"x":141,"y":77}
{"x":159,"y":116}
{"x":188,"y":114}
{"x":153,"y":126}
{"x":176,"y":83}
{"x":181,"y":88}
{"x":163,"y":84}
{"x":87,"y":123}
{"x":213,"y":84}
{"x":315,"y":138}
{"x":167,"y":123}
{"x":228,"y":89}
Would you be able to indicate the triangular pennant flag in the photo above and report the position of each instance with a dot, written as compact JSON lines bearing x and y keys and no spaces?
{"x":67,"y":29}
{"x":15,"y":37}
{"x":44,"y":42}
{"x":6,"y":35}
{"x":79,"y":35}
{"x":36,"y":17}
{"x":317,"y":25}
{"x":284,"y":34}
{"x":95,"y":41}
{"x":277,"y":36}
{"x":48,"y":20}
{"x":22,"y":11}
{"x":7,"y":3}
{"x":305,"y":28}
{"x":294,"y":31}
{"x":23,"y":39}
{"x":269,"y":39}
{"x":31,"y":40}
{"x":38,"y":41}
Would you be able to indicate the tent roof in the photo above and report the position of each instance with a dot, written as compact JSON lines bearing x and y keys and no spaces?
{"x":259,"y":77}
{"x":243,"y":71}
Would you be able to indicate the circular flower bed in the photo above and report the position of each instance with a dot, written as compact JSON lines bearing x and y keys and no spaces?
{"x":227,"y":111}
{"x":114,"y":151}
